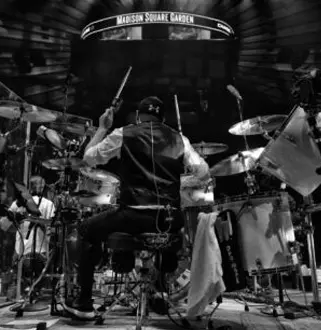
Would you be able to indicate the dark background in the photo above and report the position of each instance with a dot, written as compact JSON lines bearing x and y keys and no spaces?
{"x":40,"y":46}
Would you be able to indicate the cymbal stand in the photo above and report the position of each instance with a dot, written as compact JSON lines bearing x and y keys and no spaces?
{"x":61,"y":259}
{"x":249,"y":179}
{"x":311,"y":249}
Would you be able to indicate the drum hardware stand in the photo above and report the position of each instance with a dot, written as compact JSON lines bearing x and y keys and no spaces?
{"x":250,"y":179}
{"x":312,"y":259}
{"x":28,"y":305}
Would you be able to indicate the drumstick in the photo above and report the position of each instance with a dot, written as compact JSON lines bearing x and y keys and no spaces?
{"x":178,"y":115}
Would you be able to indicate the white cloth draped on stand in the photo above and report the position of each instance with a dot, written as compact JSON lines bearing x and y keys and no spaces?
{"x":206,"y":282}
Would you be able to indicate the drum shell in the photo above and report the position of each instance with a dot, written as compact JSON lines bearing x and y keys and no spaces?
{"x":264,"y":230}
{"x":108,"y":191}
{"x":196,"y":193}
{"x":293,"y":155}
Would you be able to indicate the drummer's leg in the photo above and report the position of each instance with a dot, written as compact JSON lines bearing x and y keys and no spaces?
{"x":93,"y":232}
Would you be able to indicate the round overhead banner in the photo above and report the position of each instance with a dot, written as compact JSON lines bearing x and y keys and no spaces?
{"x":112,"y":26}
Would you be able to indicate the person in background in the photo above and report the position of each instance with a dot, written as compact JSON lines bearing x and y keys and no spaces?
{"x":32,"y":240}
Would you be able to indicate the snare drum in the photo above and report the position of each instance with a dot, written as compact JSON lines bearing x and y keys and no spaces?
{"x":293,"y":155}
{"x":264,"y":229}
{"x":101,"y":183}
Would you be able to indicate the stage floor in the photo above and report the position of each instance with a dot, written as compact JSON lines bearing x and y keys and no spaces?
{"x":230,"y":312}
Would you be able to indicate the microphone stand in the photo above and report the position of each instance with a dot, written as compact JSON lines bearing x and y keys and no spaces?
{"x":311,"y":251}
{"x":249,"y":179}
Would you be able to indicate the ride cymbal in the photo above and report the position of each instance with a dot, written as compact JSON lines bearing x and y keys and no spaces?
{"x":238,"y":163}
{"x":60,"y":164}
{"x":258,"y":125}
{"x":209,"y":148}
{"x":25,"y":111}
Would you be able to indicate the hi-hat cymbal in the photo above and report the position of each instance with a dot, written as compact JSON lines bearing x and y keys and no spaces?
{"x":257,"y":125}
{"x":241,"y":162}
{"x":27,"y":112}
{"x":76,"y":129}
{"x":209,"y":148}
{"x":60,"y":164}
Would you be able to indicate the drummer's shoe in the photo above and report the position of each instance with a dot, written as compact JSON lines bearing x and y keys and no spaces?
{"x":81,"y":308}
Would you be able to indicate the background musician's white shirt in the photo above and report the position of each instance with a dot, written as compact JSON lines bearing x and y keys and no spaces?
{"x":47,"y":210}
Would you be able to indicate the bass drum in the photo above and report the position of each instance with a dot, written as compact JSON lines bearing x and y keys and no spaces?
{"x":263,"y":232}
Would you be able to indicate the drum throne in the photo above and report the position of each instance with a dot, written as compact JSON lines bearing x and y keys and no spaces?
{"x":153,"y":248}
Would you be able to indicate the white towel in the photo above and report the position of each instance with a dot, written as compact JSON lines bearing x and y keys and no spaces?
{"x":206,"y":282}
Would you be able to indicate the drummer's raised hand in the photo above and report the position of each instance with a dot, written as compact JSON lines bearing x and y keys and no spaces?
{"x":106,"y":119}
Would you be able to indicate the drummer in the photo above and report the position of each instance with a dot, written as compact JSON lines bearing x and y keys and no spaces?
{"x":152,"y":158}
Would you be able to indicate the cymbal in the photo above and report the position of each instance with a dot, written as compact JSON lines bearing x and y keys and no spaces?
{"x":32,"y":113}
{"x":99,"y":175}
{"x":238,"y":163}
{"x":257,"y":125}
{"x":24,"y":197}
{"x":60,"y":164}
{"x":76,"y":129}
{"x":209,"y":148}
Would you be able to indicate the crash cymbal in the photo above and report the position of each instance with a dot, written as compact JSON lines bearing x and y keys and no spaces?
{"x":28,"y":112}
{"x":76,"y":129}
{"x":257,"y":125}
{"x":60,"y":164}
{"x":238,"y":163}
{"x":209,"y":148}
{"x":99,"y":175}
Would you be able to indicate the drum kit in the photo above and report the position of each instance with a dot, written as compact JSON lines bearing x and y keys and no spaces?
{"x":292,"y":155}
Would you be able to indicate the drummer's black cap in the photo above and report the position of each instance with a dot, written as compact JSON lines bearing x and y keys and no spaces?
{"x":152,"y":105}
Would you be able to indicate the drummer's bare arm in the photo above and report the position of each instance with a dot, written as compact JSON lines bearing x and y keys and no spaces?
{"x":194,"y":162}
{"x":105,"y":123}
{"x":104,"y":150}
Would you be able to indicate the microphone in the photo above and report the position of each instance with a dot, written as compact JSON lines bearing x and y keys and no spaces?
{"x":234,"y":92}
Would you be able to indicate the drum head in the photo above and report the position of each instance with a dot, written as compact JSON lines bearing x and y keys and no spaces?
{"x":293,"y":155}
